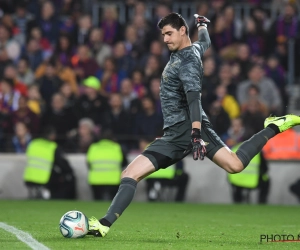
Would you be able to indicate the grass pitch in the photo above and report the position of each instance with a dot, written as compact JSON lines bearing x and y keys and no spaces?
{"x":155,"y":226}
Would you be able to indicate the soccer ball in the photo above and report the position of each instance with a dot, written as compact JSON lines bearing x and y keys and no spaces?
{"x":74,"y":224}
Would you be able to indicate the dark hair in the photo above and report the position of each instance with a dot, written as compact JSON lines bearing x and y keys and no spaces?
{"x":47,"y":131}
{"x":252,"y":86}
{"x":253,"y":66}
{"x":175,"y":20}
{"x":9,"y":81}
{"x":21,"y":4}
{"x":52,"y":61}
{"x":24,"y":58}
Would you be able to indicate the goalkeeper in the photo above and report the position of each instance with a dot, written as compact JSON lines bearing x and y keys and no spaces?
{"x":186,"y":126}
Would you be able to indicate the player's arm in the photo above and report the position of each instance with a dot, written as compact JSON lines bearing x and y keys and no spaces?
{"x":190,"y":76}
{"x":203,"y":36}
{"x":197,"y":145}
{"x":194,"y":102}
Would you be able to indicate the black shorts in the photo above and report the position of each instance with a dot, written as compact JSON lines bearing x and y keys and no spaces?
{"x":170,"y":148}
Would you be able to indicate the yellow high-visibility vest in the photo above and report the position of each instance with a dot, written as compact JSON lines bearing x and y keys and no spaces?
{"x":249,"y":177}
{"x":164,"y":173}
{"x":40,"y":158}
{"x":105,"y":158}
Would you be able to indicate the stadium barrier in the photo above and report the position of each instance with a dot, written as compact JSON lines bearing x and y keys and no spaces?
{"x":208,"y":183}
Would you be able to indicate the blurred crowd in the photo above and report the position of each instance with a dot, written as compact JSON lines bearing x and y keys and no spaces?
{"x":59,"y":68}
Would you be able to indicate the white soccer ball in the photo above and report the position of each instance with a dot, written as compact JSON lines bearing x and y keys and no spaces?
{"x":74,"y":224}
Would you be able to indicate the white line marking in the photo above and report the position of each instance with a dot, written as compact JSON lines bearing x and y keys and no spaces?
{"x":24,"y":237}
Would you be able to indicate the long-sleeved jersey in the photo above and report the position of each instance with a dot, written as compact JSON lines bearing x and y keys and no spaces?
{"x":182,"y":74}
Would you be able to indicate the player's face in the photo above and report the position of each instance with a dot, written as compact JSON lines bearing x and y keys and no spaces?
{"x":172,"y":37}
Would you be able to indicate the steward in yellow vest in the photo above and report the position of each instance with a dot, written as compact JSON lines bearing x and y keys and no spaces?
{"x":46,"y":168}
{"x":105,"y":160}
{"x":40,"y":158}
{"x":254,"y":176}
{"x":172,"y":176}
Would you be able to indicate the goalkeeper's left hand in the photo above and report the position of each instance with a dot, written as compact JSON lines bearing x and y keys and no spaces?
{"x":201,"y":20}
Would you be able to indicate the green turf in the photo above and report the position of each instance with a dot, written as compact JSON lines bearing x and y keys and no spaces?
{"x":155,"y":225}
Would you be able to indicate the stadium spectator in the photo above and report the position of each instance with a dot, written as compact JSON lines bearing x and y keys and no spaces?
{"x":12,"y":48}
{"x":83,"y":64}
{"x":285,"y":27}
{"x":10,"y":72}
{"x":66,"y":91}
{"x":9,"y":97}
{"x":25,"y":115}
{"x":110,"y":77}
{"x":253,"y":117}
{"x":25,"y":74}
{"x":34,"y":53}
{"x":133,"y":47}
{"x":267,"y":89}
{"x":229,"y":103}
{"x":225,"y":79}
{"x":64,"y":50}
{"x":252,"y":37}
{"x":145,"y":34}
{"x":35,"y":101}
{"x":276,"y":72}
{"x":49,"y":82}
{"x":83,"y":29}
{"x":21,"y":138}
{"x":4,"y":61}
{"x":112,"y":28}
{"x":137,"y":78}
{"x":91,"y":104}
{"x":120,"y":122}
{"x":64,"y":72}
{"x":161,"y":10}
{"x":253,"y":98}
{"x":154,"y":93}
{"x":156,"y":49}
{"x":124,"y":62}
{"x":223,"y":35}
{"x":22,"y":18}
{"x":48,"y":22}
{"x":67,"y":7}
{"x":148,"y":123}
{"x":236,"y":132}
{"x":62,"y":119}
{"x":210,"y":80}
{"x":81,"y":138}
{"x":152,"y":69}
{"x":243,"y":59}
{"x":218,"y":116}
{"x":99,"y":49}
{"x":43,"y":42}
{"x":131,"y":102}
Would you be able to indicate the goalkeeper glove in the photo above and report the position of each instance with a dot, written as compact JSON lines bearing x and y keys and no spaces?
{"x":201,"y":20}
{"x":197,"y":145}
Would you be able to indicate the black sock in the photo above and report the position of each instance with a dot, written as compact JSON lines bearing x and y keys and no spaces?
{"x":254,"y":145}
{"x":274,"y":127}
{"x":105,"y":222}
{"x":121,"y":201}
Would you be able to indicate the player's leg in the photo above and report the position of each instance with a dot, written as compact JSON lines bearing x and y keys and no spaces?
{"x":236,"y":162}
{"x":139,"y":168}
{"x":159,"y":154}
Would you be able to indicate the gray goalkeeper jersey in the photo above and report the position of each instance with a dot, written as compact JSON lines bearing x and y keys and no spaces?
{"x":182,"y":74}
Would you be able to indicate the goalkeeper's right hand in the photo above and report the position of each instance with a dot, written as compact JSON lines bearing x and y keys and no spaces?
{"x":201,"y":20}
